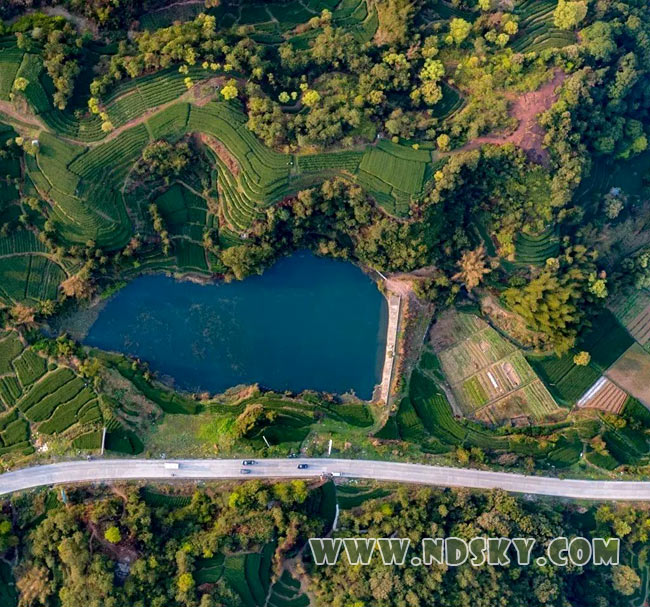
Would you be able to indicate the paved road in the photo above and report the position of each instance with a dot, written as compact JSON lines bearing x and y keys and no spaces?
{"x":141,"y":469}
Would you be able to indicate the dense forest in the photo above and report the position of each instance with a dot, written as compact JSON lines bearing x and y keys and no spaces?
{"x":246,"y":545}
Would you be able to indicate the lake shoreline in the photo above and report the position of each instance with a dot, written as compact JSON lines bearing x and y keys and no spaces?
{"x":81,"y":323}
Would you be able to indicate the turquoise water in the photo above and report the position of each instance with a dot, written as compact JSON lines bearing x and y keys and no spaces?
{"x":306,"y":323}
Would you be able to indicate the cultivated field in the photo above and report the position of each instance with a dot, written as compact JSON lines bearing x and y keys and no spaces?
{"x":425,"y":416}
{"x":634,"y":313}
{"x":604,"y":396}
{"x":632,"y":372}
{"x":535,"y":250}
{"x":490,"y":378}
{"x":41,"y":399}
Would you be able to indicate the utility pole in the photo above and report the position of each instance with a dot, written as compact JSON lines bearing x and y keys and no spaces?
{"x":329,"y":450}
{"x":267,"y":442}
{"x":103,"y":439}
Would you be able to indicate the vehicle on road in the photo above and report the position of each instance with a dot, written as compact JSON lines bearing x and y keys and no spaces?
{"x":249,"y":462}
{"x":172,"y":466}
{"x":303,"y":466}
{"x":244,"y":471}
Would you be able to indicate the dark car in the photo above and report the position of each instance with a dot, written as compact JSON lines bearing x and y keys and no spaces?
{"x":303,"y":466}
{"x":244,"y":471}
{"x":248,"y":462}
{"x":293,"y":455}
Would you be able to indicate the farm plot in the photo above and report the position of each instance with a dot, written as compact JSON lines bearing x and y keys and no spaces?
{"x":426,"y":416}
{"x":606,"y":340}
{"x":14,"y":434}
{"x":59,"y":400}
{"x":29,"y":278}
{"x":484,"y":369}
{"x":10,"y":61}
{"x":170,"y":123}
{"x":532,"y":401}
{"x":31,"y":68}
{"x":10,"y":390}
{"x":29,"y":367}
{"x":393,"y":175}
{"x":10,"y":348}
{"x":209,"y":570}
{"x":535,"y":250}
{"x":634,"y":313}
{"x":249,"y":575}
{"x":180,"y":208}
{"x":349,"y":497}
{"x":565,"y":380}
{"x":451,"y":102}
{"x":264,"y":176}
{"x":631,"y":372}
{"x":604,"y":396}
{"x":334,"y":161}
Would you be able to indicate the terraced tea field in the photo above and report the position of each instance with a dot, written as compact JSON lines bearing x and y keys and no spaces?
{"x":42,"y":399}
{"x":29,"y":274}
{"x":535,"y":250}
{"x":286,"y":593}
{"x":536,"y":28}
{"x":488,"y":376}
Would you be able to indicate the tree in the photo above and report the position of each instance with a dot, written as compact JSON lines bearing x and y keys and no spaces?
{"x":23,"y":314}
{"x":625,"y":580}
{"x":395,"y":18}
{"x":185,"y":582}
{"x":443,"y":141}
{"x":310,"y":97}
{"x":582,"y":359}
{"x":472,"y":268}
{"x":459,"y":30}
{"x":568,"y":14}
{"x":78,"y":286}
{"x":20,"y":83}
{"x":113,"y":535}
{"x":229,"y":91}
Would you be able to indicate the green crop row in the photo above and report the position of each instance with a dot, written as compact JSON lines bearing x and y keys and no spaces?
{"x":537,"y":249}
{"x":45,"y":407}
{"x":10,"y":348}
{"x":29,"y":367}
{"x":402,"y":174}
{"x":315,"y":163}
{"x":20,"y":241}
{"x":88,"y":441}
{"x":171,"y":122}
{"x":66,"y":414}
{"x":10,"y":60}
{"x":10,"y":390}
{"x":45,"y":387}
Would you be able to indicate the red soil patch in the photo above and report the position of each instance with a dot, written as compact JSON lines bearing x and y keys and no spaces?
{"x":526,"y":108}
{"x":221,"y":151}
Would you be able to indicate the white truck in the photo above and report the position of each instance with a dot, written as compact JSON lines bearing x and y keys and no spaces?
{"x":172,"y":466}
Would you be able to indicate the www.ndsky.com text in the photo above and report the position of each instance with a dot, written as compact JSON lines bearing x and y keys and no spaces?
{"x":455,"y":551}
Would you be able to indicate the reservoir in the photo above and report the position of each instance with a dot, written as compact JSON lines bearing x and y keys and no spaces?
{"x":307,"y":323}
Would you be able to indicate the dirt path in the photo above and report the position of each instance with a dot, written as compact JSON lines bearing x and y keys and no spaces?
{"x":392,"y":332}
{"x":23,"y":118}
{"x":528,"y":135}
